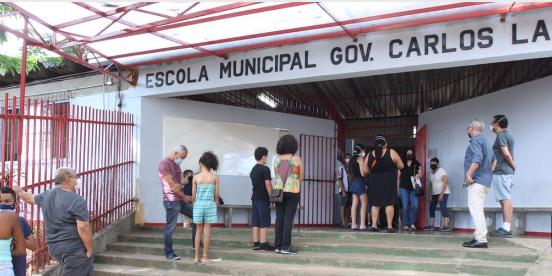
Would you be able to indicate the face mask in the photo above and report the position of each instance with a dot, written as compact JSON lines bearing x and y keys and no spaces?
{"x":363,"y":154}
{"x":347,"y":160}
{"x":178,"y":161}
{"x":433,"y":167}
{"x":4,"y":207}
{"x":409,"y":156}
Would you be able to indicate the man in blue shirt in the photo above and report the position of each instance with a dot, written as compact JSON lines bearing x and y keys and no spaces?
{"x":478,"y":179}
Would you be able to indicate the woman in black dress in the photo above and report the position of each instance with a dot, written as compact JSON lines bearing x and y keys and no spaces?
{"x":384,"y":166}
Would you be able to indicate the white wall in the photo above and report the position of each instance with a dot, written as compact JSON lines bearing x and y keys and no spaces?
{"x":233,"y":189}
{"x":527,"y":107}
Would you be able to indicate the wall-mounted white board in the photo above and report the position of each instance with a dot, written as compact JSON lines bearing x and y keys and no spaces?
{"x":234,"y":144}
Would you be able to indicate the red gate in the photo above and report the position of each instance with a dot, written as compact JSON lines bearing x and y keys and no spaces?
{"x":37,"y":137}
{"x":421,"y":155}
{"x":318,"y":190}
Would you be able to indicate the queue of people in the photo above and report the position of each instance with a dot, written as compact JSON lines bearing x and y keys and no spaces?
{"x":374,"y":180}
{"x":379,"y":179}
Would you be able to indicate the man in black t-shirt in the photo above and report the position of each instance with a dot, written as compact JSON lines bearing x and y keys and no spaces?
{"x":262,"y":188}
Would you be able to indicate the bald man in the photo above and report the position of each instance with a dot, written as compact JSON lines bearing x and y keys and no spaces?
{"x":66,"y":220}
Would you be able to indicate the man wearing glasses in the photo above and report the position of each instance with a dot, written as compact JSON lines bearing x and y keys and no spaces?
{"x":68,"y":231}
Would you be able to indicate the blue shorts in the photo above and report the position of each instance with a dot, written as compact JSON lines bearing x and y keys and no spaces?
{"x":260,"y":213}
{"x":357,"y":187}
{"x":502,"y":185}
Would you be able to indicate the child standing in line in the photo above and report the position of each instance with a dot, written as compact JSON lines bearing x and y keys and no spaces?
{"x":262,"y":188}
{"x":205,"y":196}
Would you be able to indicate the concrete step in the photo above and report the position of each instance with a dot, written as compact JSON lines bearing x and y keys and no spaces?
{"x":233,"y":267}
{"x":114,"y":270}
{"x":373,"y":260}
{"x":345,"y":234}
{"x":500,"y":253}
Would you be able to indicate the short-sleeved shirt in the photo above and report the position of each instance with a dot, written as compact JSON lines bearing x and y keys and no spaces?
{"x":61,"y":209}
{"x":341,"y":172}
{"x":169,"y":167}
{"x":480,"y":151}
{"x":503,"y":139}
{"x":437,"y":182}
{"x":407,"y":172}
{"x":20,"y":262}
{"x":259,"y":174}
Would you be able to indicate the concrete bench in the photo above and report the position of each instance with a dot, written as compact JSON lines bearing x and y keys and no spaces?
{"x":229,"y":210}
{"x":520,"y":216}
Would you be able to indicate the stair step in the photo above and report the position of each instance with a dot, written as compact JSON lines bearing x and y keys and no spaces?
{"x":387,"y":248}
{"x":116,"y":270}
{"x":233,"y":267}
{"x":344,"y":234}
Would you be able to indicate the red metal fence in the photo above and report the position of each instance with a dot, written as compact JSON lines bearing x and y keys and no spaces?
{"x":43,"y":136}
{"x":318,"y":190}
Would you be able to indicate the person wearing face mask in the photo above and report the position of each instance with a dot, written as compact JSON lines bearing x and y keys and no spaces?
{"x":383,"y":165}
{"x":7,"y":203}
{"x":66,"y":221}
{"x":187,"y":207}
{"x":503,"y":172}
{"x":358,"y":172}
{"x":478,"y":179}
{"x":170,"y":176}
{"x":10,"y":232}
{"x":439,"y":191}
{"x":342,"y":189}
{"x":409,"y":199}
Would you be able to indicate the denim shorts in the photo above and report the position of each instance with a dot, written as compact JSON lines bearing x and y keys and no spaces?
{"x":502,"y":185}
{"x":357,"y":186}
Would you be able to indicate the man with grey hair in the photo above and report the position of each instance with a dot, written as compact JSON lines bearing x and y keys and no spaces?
{"x":478,"y":178}
{"x":170,"y":176}
{"x":66,"y":220}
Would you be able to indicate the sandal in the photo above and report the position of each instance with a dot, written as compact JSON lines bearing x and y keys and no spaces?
{"x":196,"y":261}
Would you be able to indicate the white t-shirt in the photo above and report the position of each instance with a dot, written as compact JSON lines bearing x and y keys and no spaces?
{"x":341,"y":172}
{"x":437,"y":181}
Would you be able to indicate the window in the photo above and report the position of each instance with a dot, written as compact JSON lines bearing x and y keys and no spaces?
{"x":59,"y":130}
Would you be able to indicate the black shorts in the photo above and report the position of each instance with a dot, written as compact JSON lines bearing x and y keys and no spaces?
{"x":260,"y":213}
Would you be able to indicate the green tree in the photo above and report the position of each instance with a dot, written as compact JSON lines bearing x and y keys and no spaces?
{"x":35,"y":56}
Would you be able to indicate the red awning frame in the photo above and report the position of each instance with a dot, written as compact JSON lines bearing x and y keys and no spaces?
{"x":128,"y":71}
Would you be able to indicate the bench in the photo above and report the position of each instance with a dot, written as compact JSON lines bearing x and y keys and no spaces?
{"x":520,"y":215}
{"x":229,"y":210}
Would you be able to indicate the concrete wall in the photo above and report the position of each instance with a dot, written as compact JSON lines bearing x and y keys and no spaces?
{"x":528,"y":109}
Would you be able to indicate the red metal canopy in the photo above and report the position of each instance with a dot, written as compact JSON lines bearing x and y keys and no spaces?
{"x":126,"y":37}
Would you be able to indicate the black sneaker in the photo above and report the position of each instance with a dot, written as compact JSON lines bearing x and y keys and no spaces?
{"x":288,"y":251}
{"x":373,"y":229}
{"x":267,"y":247}
{"x":502,"y":233}
{"x":277,"y":251}
{"x":429,"y":228}
{"x":256,"y":245}
{"x":475,"y":244}
{"x":390,"y":230}
{"x":446,"y":229}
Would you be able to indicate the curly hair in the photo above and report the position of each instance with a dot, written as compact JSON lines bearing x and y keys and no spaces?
{"x":287,"y":145}
{"x":209,"y":160}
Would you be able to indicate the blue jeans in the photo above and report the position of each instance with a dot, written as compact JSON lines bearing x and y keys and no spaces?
{"x":408,"y":199}
{"x":173,"y":209}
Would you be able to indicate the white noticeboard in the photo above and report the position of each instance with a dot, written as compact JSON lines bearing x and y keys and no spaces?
{"x":234,"y":144}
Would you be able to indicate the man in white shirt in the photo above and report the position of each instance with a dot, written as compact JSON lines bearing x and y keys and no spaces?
{"x":342,"y":187}
{"x":439,"y":191}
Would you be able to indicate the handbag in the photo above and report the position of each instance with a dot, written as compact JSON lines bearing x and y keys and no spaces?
{"x":277,"y":195}
{"x":417,"y":186}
